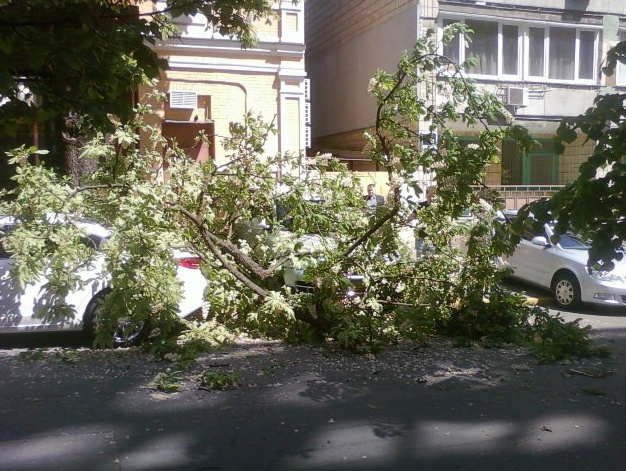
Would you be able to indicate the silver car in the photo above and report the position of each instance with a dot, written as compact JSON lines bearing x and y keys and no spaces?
{"x":562,"y":268}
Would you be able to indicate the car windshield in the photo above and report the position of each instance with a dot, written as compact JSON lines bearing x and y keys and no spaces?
{"x":569,"y":240}
{"x":285,"y":218}
{"x":572,"y":241}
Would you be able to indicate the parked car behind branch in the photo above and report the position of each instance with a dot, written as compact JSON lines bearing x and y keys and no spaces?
{"x":316,"y":250}
{"x":33,"y":307}
{"x":561,"y":267}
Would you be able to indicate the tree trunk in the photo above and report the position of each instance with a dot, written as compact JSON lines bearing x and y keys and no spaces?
{"x":76,"y":167}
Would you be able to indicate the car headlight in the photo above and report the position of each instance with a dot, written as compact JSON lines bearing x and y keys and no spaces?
{"x":605,"y":276}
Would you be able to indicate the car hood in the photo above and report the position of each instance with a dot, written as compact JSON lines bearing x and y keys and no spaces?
{"x":305,"y":242}
{"x":582,"y":257}
{"x":620,"y":267}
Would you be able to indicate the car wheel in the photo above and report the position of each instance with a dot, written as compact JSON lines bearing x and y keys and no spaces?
{"x":126,"y":332}
{"x":566,"y":290}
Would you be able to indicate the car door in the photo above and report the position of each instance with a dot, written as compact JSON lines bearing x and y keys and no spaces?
{"x":10,"y":315}
{"x":531,"y":261}
{"x":16,"y":303}
{"x":29,"y":308}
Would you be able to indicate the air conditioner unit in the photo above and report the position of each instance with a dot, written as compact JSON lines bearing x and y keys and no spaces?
{"x":517,"y":96}
{"x":183,"y":99}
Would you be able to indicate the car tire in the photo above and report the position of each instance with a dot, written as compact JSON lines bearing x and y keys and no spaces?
{"x":566,"y":290}
{"x":123,"y":336}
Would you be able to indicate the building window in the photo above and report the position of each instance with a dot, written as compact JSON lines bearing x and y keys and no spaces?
{"x":541,"y":168}
{"x":537,"y":167}
{"x":524,"y":52}
{"x":510,"y":45}
{"x":621,"y":68}
{"x":562,"y":53}
{"x":587,"y":47}
{"x":512,"y":163}
{"x":451,"y":50}
{"x":536,"y":43}
{"x":484,"y":47}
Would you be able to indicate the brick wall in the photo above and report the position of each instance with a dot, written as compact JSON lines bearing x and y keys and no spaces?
{"x":230,"y":95}
{"x":330,"y":22}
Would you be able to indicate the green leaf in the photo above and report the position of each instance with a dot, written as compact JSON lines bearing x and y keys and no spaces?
{"x":587,"y":170}
{"x":567,"y":134}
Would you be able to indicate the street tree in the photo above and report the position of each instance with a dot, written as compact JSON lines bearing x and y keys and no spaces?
{"x":249,"y":225}
{"x":594,"y":204}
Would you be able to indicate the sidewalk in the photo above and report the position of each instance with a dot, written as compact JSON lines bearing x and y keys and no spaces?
{"x":304,"y":408}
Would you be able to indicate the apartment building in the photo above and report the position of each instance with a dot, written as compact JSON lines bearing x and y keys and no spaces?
{"x":541,"y":57}
{"x":212,"y":81}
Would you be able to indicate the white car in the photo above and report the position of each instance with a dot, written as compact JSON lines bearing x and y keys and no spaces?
{"x":25,"y":309}
{"x":562,"y":268}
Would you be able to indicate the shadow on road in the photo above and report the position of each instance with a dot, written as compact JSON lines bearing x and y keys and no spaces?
{"x":43,"y":340}
{"x":302,"y":408}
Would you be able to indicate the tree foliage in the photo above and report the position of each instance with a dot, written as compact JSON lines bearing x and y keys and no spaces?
{"x":594,"y":204}
{"x":255,"y":216}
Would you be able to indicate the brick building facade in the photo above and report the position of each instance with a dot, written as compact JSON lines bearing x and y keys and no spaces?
{"x":541,"y":57}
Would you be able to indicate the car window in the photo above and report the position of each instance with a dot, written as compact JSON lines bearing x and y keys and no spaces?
{"x":3,"y":252}
{"x":572,"y":241}
{"x":92,"y":241}
{"x":89,"y":240}
{"x":285,"y":219}
{"x":531,"y":232}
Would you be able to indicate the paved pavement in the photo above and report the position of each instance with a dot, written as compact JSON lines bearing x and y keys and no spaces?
{"x":311,"y":408}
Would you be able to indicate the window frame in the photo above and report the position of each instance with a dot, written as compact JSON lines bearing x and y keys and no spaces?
{"x":527,"y":164}
{"x":620,"y":70}
{"x":523,"y":50}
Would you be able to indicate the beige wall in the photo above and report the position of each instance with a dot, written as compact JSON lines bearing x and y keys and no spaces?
{"x":332,"y":22}
{"x":230,"y":96}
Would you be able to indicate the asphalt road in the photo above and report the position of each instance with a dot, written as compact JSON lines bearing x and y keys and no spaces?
{"x":598,"y":317}
{"x":310,"y":408}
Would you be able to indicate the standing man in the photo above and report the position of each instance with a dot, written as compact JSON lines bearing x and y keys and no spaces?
{"x":372,"y":200}
{"x":421,"y":246}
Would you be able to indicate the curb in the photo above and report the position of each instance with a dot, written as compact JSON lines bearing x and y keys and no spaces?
{"x":545,"y":301}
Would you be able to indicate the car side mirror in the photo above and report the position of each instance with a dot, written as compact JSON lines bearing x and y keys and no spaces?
{"x":541,"y":240}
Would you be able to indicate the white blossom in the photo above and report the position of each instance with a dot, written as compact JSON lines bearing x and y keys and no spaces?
{"x":508,"y":116}
{"x":372,"y":86}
